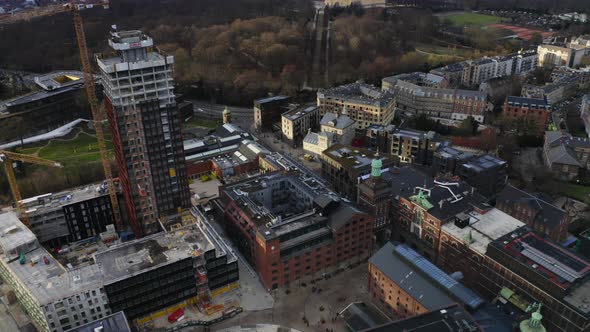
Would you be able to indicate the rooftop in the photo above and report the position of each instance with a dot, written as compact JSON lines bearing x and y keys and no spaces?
{"x":15,"y":237}
{"x":289,"y":198}
{"x":49,"y":202}
{"x":273,"y":99}
{"x":545,"y":258}
{"x":421,"y":279}
{"x":313,"y":138}
{"x":528,"y":102}
{"x":452,"y":318}
{"x":297,"y":111}
{"x":446,"y":198}
{"x":151,"y":252}
{"x":484,"y":162}
{"x":423,"y":91}
{"x":336,"y":121}
{"x":60,"y":79}
{"x":358,"y":92}
{"x":350,"y":157}
{"x":116,"y":322}
{"x":546,"y":212}
{"x":483,"y":229}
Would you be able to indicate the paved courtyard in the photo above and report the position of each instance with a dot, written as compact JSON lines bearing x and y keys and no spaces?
{"x":319,"y":308}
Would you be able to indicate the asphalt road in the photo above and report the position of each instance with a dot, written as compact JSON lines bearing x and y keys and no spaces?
{"x":206,"y":108}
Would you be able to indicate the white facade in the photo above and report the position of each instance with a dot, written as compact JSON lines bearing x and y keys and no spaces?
{"x":317,"y":143}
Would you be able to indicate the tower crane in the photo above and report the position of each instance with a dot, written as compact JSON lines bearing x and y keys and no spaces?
{"x":8,"y":158}
{"x":96,"y":110}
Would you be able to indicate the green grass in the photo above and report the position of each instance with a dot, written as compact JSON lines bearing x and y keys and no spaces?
{"x":575,"y":191}
{"x":69,"y":150}
{"x":472,"y":19}
{"x":203,"y":123}
{"x":82,"y":149}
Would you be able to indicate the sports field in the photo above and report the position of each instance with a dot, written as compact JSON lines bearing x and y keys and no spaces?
{"x":463,"y":19}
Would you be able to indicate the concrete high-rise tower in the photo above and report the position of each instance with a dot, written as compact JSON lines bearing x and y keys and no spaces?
{"x":145,"y":123}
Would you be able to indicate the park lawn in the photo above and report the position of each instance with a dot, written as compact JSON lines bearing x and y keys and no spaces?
{"x":80,"y":150}
{"x":201,"y":122}
{"x":473,"y":19}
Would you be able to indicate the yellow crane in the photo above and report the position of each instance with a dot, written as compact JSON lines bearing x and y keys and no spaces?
{"x":8,"y":159}
{"x":96,"y":110}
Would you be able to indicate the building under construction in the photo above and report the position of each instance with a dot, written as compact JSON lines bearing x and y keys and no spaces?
{"x":145,"y":278}
{"x":145,"y":124}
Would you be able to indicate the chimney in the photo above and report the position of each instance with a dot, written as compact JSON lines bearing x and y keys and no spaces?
{"x":441,"y":203}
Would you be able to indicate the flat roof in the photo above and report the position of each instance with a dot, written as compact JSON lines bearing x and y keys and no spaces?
{"x":483,"y":162}
{"x":297,"y":111}
{"x":13,"y":234}
{"x":451,"y":318}
{"x":483,"y":228}
{"x":59,"y":79}
{"x":351,"y":157}
{"x":358,"y":92}
{"x":50,"y":201}
{"x":541,"y":255}
{"x":109,"y":61}
{"x":151,"y":252}
{"x":51,"y":282}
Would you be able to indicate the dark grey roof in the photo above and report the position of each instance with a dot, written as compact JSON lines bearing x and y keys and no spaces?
{"x":116,"y":322}
{"x":336,"y":121}
{"x":404,"y":181}
{"x":484,"y":162}
{"x":425,"y":282}
{"x":451,"y":318}
{"x":549,"y":214}
{"x":527,"y":102}
{"x":341,"y":215}
{"x":360,"y":316}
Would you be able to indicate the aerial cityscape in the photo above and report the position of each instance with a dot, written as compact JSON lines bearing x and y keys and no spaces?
{"x":295,"y":165}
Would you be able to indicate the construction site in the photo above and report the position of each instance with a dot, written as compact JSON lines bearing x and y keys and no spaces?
{"x":187,"y":267}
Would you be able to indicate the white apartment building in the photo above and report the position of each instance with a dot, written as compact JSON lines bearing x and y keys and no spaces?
{"x":296,"y":122}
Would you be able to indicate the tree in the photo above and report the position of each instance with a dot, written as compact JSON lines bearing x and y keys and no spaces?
{"x":469,"y":126}
{"x":536,"y":39}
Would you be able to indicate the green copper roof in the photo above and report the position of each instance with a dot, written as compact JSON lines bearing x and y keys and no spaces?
{"x":534,"y":323}
{"x":422,"y":199}
{"x":376,"y":165}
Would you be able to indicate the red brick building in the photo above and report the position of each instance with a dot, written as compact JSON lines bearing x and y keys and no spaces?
{"x":407,"y":284}
{"x":537,"y":213}
{"x":534,"y":111}
{"x":289,"y":225}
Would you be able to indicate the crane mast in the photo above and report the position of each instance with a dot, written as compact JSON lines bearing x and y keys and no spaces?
{"x":96,"y":111}
{"x":7,"y":158}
